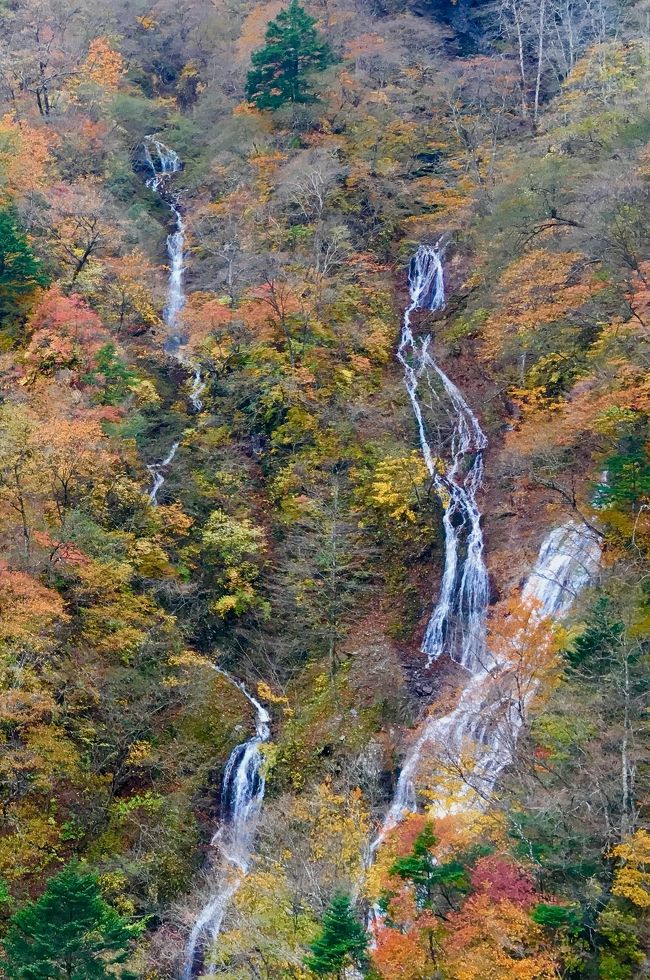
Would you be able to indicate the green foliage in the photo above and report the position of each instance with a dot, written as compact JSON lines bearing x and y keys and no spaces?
{"x":628,"y":477}
{"x":422,"y":869}
{"x":70,"y":932}
{"x":239,"y":546}
{"x":112,"y":374}
{"x":342,"y":942}
{"x":282,"y":69}
{"x":557,"y":916}
{"x":618,"y":934}
{"x":601,"y":634}
{"x":20,"y":270}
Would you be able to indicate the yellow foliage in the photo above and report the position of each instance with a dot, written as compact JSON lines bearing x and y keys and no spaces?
{"x":266,"y":694}
{"x":495,"y":942}
{"x":336,"y":829}
{"x":632,"y":879}
{"x":537,"y":288}
{"x":139,"y":754}
{"x":396,"y":485}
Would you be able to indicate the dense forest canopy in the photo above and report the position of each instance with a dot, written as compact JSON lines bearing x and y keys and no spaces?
{"x":324,"y":489}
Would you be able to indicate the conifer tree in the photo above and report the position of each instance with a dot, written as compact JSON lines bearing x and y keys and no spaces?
{"x":282,"y":69}
{"x":342,"y":941}
{"x":70,"y":932}
{"x":20,"y":270}
{"x":422,"y":869}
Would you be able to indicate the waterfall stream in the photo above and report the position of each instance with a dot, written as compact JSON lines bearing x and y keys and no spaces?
{"x":486,"y":719}
{"x":242,"y":794}
{"x":164,"y":163}
{"x":157,"y":472}
{"x":457,"y":623}
{"x":243,"y":784}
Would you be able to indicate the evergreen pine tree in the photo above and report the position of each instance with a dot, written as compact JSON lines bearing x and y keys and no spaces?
{"x":421,"y":868}
{"x":342,"y":941}
{"x":20,"y":270}
{"x":628,"y":476}
{"x":282,"y":68}
{"x":70,"y":932}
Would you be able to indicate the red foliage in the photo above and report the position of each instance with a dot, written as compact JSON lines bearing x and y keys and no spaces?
{"x":65,"y":333}
{"x":499,"y":879}
{"x":402,"y":838}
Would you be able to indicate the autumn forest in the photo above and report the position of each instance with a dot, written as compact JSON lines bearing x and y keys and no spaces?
{"x":324,"y":489}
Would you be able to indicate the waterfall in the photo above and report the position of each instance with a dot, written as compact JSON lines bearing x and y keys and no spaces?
{"x":486,"y":718}
{"x":164,"y":163}
{"x":243,"y":785}
{"x":242,"y":794}
{"x":157,"y":473}
{"x":457,"y":623}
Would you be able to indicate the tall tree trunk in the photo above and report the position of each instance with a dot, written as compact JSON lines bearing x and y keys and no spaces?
{"x":522,"y":65}
{"x":540,"y":56}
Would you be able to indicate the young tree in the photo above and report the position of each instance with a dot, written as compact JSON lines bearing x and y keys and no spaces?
{"x":281,"y":70}
{"x":431,"y":879}
{"x":70,"y":932}
{"x":342,"y":941}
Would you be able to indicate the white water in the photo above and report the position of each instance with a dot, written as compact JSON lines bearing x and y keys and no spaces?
{"x":242,"y":794}
{"x":197,"y":388}
{"x":157,"y":472}
{"x":485,"y":723}
{"x":457,"y":623}
{"x":164,"y":163}
{"x":243,"y":785}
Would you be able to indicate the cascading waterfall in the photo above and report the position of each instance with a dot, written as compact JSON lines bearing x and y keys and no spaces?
{"x":486,"y":718}
{"x":157,"y":473}
{"x":164,"y":163}
{"x":242,"y":791}
{"x":242,"y":794}
{"x":457,"y":623}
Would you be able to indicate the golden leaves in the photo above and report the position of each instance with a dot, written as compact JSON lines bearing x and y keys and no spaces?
{"x":104,"y":65}
{"x":395,"y":486}
{"x":24,"y":158}
{"x":632,"y":878}
{"x":540,"y":287}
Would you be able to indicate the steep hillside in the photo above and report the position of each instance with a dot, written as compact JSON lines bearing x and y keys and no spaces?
{"x":324,"y":489}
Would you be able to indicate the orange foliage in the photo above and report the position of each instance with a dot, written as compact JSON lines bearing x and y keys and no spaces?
{"x":592,"y":410}
{"x":65,"y":334}
{"x":535,"y":289}
{"x":254,"y":28}
{"x":268,"y":308}
{"x":24,"y":156}
{"x":70,"y":451}
{"x":525,"y":650}
{"x":495,"y":941}
{"x":205,"y":315}
{"x":265,"y":165}
{"x":27,"y":608}
{"x":403,"y":955}
{"x":60,"y":550}
{"x":365,"y":45}
{"x":104,"y":65}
